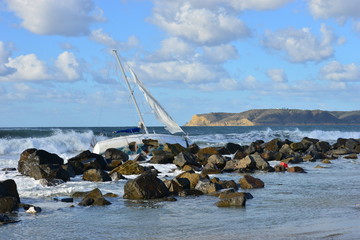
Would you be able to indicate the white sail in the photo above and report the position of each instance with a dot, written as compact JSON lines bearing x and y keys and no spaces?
{"x":159,"y":111}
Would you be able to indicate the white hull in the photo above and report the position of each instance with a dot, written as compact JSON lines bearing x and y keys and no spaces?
{"x":123,"y":141}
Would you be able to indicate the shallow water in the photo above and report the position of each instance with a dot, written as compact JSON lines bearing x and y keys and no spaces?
{"x":321,"y":204}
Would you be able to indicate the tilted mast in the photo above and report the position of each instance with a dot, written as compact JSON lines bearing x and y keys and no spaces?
{"x":131,"y":92}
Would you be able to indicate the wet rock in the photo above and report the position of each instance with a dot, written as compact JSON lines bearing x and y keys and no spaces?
{"x":351,"y":156}
{"x":190,"y":177}
{"x":204,"y":153}
{"x":174,"y":186}
{"x":8,"y":169}
{"x":8,"y":188}
{"x":230,"y":165}
{"x":130,"y":167}
{"x":33,"y":210}
{"x":4,"y":219}
{"x":69,"y":169}
{"x":296,"y":169}
{"x":8,"y":204}
{"x":225,"y":184}
{"x":217,"y":160}
{"x":162,"y":157}
{"x":94,"y":198}
{"x":248,"y":182}
{"x":50,"y":182}
{"x":96,"y":175}
{"x":293,"y":160}
{"x":185,"y":158}
{"x":41,"y":164}
{"x":193,"y":148}
{"x":247,"y":162}
{"x":274,"y":145}
{"x":190,"y":192}
{"x":225,"y":195}
{"x":207,"y":187}
{"x":323,"y":146}
{"x":232,"y":202}
{"x":174,"y":149}
{"x":298,"y":146}
{"x":87,"y":160}
{"x":140,"y":158}
{"x":326,"y":161}
{"x":116,"y":176}
{"x":279,"y":168}
{"x":145,"y":186}
{"x":63,"y":199}
{"x":233,"y":147}
{"x":111,"y":195}
{"x":113,"y":154}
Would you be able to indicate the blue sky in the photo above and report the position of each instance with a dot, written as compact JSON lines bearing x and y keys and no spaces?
{"x":57,"y":69}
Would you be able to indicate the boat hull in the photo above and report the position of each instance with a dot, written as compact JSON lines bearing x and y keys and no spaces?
{"x":123,"y":141}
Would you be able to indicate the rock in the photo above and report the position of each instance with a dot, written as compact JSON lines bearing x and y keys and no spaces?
{"x":260,"y":163}
{"x":188,"y":168}
{"x":8,"y":204}
{"x":87,"y":160}
{"x":4,"y":219}
{"x":162,"y":157}
{"x":240,"y":154}
{"x":185,"y":158}
{"x":174,"y":186}
{"x":225,"y":184}
{"x":111,"y":195}
{"x":191,"y":177}
{"x":352,"y":144}
{"x":296,"y":169}
{"x":274,"y":145}
{"x":140,"y":158}
{"x":174,"y":149}
{"x":193,"y":148}
{"x":279,"y":168}
{"x":145,"y":186}
{"x":233,"y":147}
{"x":8,"y":169}
{"x":8,"y":188}
{"x":63,"y":199}
{"x":96,"y":175}
{"x":207,"y":187}
{"x":33,"y":210}
{"x":230,"y":165}
{"x":286,"y":151}
{"x":297,"y":146}
{"x":42,"y":164}
{"x":247,"y":162}
{"x":69,"y":169}
{"x":248,"y":182}
{"x":225,"y":195}
{"x":217,"y":160}
{"x":293,"y":160}
{"x":50,"y":182}
{"x":94,"y":198}
{"x":130,"y":167}
{"x":351,"y":156}
{"x":116,"y":176}
{"x":210,"y":169}
{"x":190,"y":192}
{"x":204,"y":153}
{"x":323,"y":146}
{"x":232,"y":202}
{"x":112,"y":154}
{"x":326,"y":161}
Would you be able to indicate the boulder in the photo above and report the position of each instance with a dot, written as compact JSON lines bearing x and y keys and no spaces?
{"x":130,"y":167}
{"x":323,"y":146}
{"x":225,"y":195}
{"x":8,"y":204}
{"x":190,"y":192}
{"x":185,"y":158}
{"x":8,"y":188}
{"x":298,"y":146}
{"x":42,"y":164}
{"x":260,"y":163}
{"x":193,"y":148}
{"x":94,"y":198}
{"x":286,"y":151}
{"x":173,"y":186}
{"x":96,"y":175}
{"x":4,"y":219}
{"x":87,"y":160}
{"x":351,"y":156}
{"x":232,"y":202}
{"x":274,"y":145}
{"x":247,"y":162}
{"x":174,"y":149}
{"x":112,"y":154}
{"x":115,"y":176}
{"x":207,"y":187}
{"x":279,"y":168}
{"x":50,"y":182}
{"x":230,"y":165}
{"x":225,"y":184}
{"x":233,"y":147}
{"x":162,"y":157}
{"x":140,"y":158}
{"x":217,"y":160}
{"x":296,"y":169}
{"x":190,"y":177}
{"x":239,"y":154}
{"x":145,"y":186}
{"x":204,"y":153}
{"x":248,"y":182}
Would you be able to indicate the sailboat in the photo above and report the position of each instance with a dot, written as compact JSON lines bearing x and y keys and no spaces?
{"x":160,"y":113}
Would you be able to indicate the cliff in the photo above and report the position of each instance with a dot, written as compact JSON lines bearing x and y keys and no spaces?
{"x":276,"y":117}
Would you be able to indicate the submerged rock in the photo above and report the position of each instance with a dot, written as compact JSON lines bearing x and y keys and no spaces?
{"x":9,"y":196}
{"x":94,"y":198}
{"x":250,"y":182}
{"x":232,"y":202}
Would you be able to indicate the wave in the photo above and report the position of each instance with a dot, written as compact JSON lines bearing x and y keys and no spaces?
{"x":61,"y":142}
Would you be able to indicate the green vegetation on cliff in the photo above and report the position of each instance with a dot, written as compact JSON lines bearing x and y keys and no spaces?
{"x":273,"y":117}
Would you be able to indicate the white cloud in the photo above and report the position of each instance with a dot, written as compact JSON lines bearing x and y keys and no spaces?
{"x":277,"y":75}
{"x":301,"y":45}
{"x":220,"y":53}
{"x":336,"y":71}
{"x":105,"y":39}
{"x":174,"y":48}
{"x":28,"y":67}
{"x":339,"y":9}
{"x":68,"y":66}
{"x":5,"y":53}
{"x":256,"y":4}
{"x":198,"y":25}
{"x":54,"y":17}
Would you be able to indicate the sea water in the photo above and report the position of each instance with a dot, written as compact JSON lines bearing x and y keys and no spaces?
{"x":324,"y":203}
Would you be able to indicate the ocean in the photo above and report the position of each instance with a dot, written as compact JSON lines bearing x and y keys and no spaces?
{"x":324,"y":203}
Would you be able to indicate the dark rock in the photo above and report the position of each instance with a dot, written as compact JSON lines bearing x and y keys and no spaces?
{"x":112,"y":154}
{"x":217,"y":160}
{"x":33,"y":209}
{"x":250,"y":182}
{"x":8,"y":204}
{"x":280,"y":168}
{"x":298,"y":146}
{"x":191,"y":177}
{"x":42,"y":164}
{"x":115,"y":176}
{"x":225,"y":184}
{"x":240,"y":154}
{"x":174,"y":149}
{"x":274,"y":145}
{"x":286,"y":151}
{"x":293,"y":160}
{"x":162,"y":157}
{"x":96,"y":175}
{"x":323,"y":146}
{"x":255,"y":147}
{"x":50,"y":182}
{"x":174,"y":186}
{"x":204,"y":153}
{"x":140,"y":158}
{"x":130,"y":167}
{"x":232,"y":202}
{"x":111,"y":195}
{"x":185,"y":158}
{"x":145,"y":186}
{"x":88,"y":160}
{"x":8,"y":169}
{"x":190,"y":192}
{"x":8,"y":188}
{"x":4,"y":219}
{"x":351,"y":156}
{"x":296,"y":169}
{"x":94,"y":198}
{"x":69,"y":169}
{"x":233,"y":147}
{"x":63,"y":199}
{"x":193,"y":148}
{"x":113,"y":164}
{"x":247,"y":162}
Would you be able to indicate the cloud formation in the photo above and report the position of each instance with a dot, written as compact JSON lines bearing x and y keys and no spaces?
{"x":54,"y":17}
{"x":277,"y":75}
{"x":335,"y":71}
{"x":300,"y":45}
{"x":338,"y":9}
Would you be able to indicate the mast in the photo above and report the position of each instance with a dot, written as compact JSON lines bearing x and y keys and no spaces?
{"x":131,"y":92}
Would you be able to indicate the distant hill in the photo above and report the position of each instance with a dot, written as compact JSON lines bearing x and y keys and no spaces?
{"x":276,"y":117}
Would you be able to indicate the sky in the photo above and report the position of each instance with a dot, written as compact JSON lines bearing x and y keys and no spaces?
{"x":57,"y":68}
